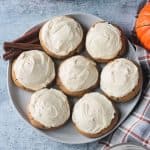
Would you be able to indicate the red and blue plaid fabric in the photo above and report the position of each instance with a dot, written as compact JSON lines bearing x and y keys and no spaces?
{"x":136,"y":128}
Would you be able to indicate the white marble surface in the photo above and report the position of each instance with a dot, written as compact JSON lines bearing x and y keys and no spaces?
{"x":18,"y":15}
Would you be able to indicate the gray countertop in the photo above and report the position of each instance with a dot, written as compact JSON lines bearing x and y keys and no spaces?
{"x":18,"y":15}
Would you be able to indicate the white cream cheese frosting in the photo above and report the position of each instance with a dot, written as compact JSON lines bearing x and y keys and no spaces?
{"x":34,"y":69}
{"x":119,"y":77}
{"x":61,"y":35}
{"x":78,"y":73}
{"x":49,"y":107}
{"x":103,"y":41}
{"x":92,"y":113}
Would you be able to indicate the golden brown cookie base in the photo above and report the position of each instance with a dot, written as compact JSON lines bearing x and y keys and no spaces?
{"x":79,"y":93}
{"x":104,"y":131}
{"x":120,"y":53}
{"x":37,"y":124}
{"x":50,"y":52}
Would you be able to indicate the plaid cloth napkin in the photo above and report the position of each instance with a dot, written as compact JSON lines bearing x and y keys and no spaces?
{"x":136,"y":128}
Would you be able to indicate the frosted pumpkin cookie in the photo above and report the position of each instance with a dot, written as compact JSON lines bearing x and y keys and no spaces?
{"x":94,"y":115}
{"x":33,"y":70}
{"x":120,"y":80}
{"x":48,"y":108}
{"x":77,"y":75}
{"x":61,"y":37}
{"x":105,"y":42}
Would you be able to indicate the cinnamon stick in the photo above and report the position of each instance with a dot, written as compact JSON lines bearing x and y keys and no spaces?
{"x":21,"y":46}
{"x":35,"y":41}
{"x":10,"y":55}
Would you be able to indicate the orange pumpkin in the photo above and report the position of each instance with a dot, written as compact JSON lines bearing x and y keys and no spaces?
{"x":142,"y":26}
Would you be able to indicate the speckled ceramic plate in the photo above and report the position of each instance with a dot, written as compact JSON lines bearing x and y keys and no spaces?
{"x":67,"y":134}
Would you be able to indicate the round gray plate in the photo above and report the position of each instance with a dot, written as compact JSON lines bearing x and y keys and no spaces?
{"x":67,"y":134}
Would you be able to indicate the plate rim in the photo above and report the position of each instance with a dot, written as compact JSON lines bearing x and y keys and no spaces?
{"x":40,"y":131}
